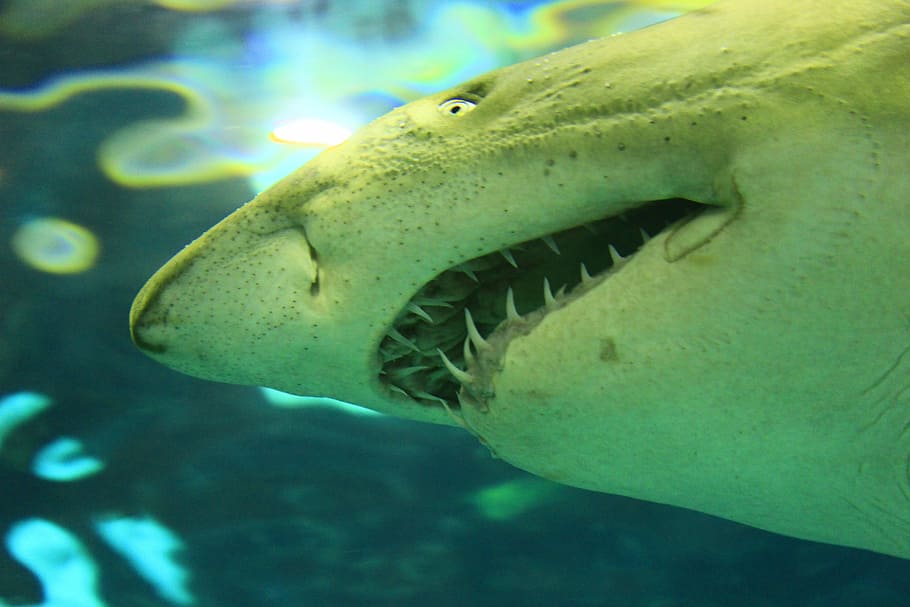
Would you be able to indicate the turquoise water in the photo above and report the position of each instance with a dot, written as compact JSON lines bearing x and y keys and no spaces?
{"x":126,"y":129}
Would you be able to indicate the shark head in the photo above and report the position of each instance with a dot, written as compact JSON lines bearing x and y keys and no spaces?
{"x":671,"y":264}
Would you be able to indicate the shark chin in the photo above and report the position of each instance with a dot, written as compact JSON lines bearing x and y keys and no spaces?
{"x":672,"y":264}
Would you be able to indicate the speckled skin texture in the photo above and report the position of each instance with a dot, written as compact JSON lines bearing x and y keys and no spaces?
{"x":753,"y":364}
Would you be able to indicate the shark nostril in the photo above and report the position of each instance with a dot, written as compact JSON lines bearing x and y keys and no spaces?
{"x":313,"y":263}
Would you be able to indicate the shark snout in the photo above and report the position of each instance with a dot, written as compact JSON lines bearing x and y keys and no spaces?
{"x":147,"y":319}
{"x":155,"y":316}
{"x":235,"y":294}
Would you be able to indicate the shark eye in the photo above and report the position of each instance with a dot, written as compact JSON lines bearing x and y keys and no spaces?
{"x":456,"y":107}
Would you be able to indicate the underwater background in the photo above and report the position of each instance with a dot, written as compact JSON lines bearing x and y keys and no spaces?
{"x":127,"y":128}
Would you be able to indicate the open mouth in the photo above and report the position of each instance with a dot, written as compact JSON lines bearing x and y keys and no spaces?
{"x":466,"y":314}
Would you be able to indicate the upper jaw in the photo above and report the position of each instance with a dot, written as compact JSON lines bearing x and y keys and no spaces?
{"x":254,"y":302}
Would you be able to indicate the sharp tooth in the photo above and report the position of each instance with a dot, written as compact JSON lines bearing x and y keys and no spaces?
{"x":508,"y":255}
{"x":466,"y":270}
{"x":428,"y":396}
{"x":548,"y":299}
{"x":402,"y":372}
{"x":404,"y":341}
{"x":426,"y":301}
{"x":476,"y":339}
{"x":511,"y":310}
{"x":645,"y":237}
{"x":614,"y":255}
{"x":462,"y":376}
{"x":561,"y":291}
{"x":395,"y":388}
{"x":413,"y":308}
{"x":548,"y":240}
{"x":585,"y":276}
{"x":590,"y":227}
{"x":466,"y":351}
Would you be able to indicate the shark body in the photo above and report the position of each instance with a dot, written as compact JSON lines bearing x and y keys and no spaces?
{"x":750,"y":360}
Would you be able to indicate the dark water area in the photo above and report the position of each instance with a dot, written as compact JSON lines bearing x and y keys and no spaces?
{"x":270,"y":505}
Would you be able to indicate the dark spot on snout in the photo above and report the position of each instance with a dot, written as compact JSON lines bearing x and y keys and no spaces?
{"x":549,"y":162}
{"x":147,"y":346}
{"x":608,"y":350}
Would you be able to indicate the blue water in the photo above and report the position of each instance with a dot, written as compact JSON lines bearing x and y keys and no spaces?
{"x":125,"y":484}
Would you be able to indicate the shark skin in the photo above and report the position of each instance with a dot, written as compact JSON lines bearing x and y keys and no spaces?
{"x":751,"y":361}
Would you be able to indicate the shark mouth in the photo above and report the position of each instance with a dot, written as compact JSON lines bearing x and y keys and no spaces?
{"x":442,"y":345}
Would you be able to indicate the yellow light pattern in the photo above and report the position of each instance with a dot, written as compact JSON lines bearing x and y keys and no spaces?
{"x":511,"y":499}
{"x":310,"y":131}
{"x":237,"y":105}
{"x":32,"y":19}
{"x":554,"y":22}
{"x":56,"y":246}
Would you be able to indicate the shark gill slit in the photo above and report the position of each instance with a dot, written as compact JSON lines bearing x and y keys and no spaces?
{"x":452,"y":332}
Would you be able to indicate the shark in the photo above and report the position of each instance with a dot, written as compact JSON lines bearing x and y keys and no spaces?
{"x":672,"y":264}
